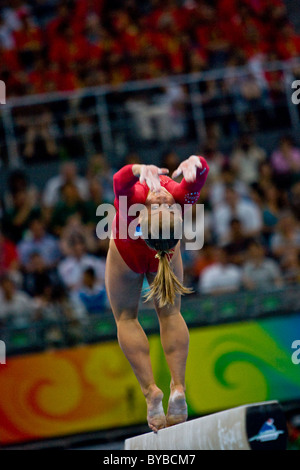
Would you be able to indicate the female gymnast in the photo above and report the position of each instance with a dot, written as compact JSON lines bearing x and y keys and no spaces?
{"x":159,"y":259}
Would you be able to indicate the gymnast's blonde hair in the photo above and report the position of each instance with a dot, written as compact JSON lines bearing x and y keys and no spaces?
{"x":166,"y":285}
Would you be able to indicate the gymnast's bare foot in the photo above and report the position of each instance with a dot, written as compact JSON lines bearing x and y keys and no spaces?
{"x":177,"y":407}
{"x":155,"y":412}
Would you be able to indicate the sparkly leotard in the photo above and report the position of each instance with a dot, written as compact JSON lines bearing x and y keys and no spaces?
{"x":135,"y":252}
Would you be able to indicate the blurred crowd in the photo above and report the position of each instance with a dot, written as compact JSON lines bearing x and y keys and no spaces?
{"x":62,"y":45}
{"x":52,"y":264}
{"x":252,"y":215}
{"x":66,"y":45}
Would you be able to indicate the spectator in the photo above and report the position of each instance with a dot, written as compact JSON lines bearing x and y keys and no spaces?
{"x":237,"y":243}
{"x":86,"y":128}
{"x":221,"y":277}
{"x":290,"y":266}
{"x":203,"y":259}
{"x":68,"y":47}
{"x":62,"y":316}
{"x":71,"y":268}
{"x":246,"y":158}
{"x":227,"y":177}
{"x":288,"y":42}
{"x":217,"y":44}
{"x":259,"y":271}
{"x":91,"y":204}
{"x":247,"y":95}
{"x":159,"y":108}
{"x":265,"y":175}
{"x":68,"y":173}
{"x":285,"y":162}
{"x":215,"y":158}
{"x":99,"y":168}
{"x":73,"y":142}
{"x":40,"y":139}
{"x":256,"y":195}
{"x":271,"y":210}
{"x":92,"y":293}
{"x":176,"y":98}
{"x":252,"y":93}
{"x":13,"y":13}
{"x":62,"y":15}
{"x":28,"y":39}
{"x":294,"y":200}
{"x":90,"y":218}
{"x":70,"y":205}
{"x":210,"y":96}
{"x":38,"y":275}
{"x":43,"y":11}
{"x":18,"y":181}
{"x":7,"y":40}
{"x":286,"y":234}
{"x":43,"y":77}
{"x":275,"y":81}
{"x":236,"y":207}
{"x":17,"y":307}
{"x":73,"y":228}
{"x":16,"y":219}
{"x":197,"y":59}
{"x":9,"y":258}
{"x":37,"y":240}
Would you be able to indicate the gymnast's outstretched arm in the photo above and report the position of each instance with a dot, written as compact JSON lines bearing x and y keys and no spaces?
{"x":125,"y":179}
{"x":195,"y":171}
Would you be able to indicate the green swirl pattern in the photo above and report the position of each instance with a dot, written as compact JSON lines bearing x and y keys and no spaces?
{"x":238,"y":363}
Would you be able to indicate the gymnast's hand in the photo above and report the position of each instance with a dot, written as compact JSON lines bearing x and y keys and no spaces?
{"x":188,"y":168}
{"x":150,"y":175}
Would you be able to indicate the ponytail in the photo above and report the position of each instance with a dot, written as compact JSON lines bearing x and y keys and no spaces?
{"x":166,"y":284}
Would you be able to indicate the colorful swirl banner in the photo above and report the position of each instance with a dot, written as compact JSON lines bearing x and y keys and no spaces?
{"x":92,"y":387}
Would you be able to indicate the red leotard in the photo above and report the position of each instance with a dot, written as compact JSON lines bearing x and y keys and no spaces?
{"x":136,"y":253}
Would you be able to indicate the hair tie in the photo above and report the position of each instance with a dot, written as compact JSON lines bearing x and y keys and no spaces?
{"x":160,"y":254}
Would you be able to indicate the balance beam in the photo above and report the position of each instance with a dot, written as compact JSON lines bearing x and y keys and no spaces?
{"x":258,"y":426}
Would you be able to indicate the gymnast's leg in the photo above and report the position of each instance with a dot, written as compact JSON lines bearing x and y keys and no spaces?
{"x":175,"y":342}
{"x":123,"y":289}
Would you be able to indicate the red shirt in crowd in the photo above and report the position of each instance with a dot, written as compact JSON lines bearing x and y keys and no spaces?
{"x":8,"y":255}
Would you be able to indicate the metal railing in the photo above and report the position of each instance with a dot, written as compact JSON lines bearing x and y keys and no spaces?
{"x":116,"y":119}
{"x":198,"y":311}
